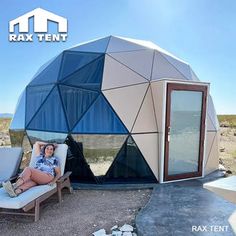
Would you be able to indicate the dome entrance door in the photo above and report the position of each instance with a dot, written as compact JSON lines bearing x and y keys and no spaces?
{"x":184,"y":131}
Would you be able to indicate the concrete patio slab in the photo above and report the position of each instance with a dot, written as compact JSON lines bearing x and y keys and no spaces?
{"x":186,"y":208}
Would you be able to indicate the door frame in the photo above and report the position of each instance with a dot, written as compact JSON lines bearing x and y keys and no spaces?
{"x":187,"y":87}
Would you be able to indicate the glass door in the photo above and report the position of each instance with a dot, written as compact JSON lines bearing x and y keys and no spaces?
{"x":185,"y":128}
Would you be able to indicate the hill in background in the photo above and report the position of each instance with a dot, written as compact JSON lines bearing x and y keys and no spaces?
{"x":6,"y":115}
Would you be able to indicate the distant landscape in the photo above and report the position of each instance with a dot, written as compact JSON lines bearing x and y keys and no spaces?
{"x":6,"y":115}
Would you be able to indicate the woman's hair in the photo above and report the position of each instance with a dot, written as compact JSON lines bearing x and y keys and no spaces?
{"x":48,"y":144}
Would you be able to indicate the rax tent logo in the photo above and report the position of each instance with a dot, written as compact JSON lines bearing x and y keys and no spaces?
{"x":41,"y":19}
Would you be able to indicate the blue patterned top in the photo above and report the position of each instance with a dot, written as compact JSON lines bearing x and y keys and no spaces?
{"x":47,"y":165}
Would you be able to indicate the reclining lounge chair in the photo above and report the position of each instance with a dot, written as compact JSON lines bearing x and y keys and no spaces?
{"x":10,"y":159}
{"x":28,"y":203}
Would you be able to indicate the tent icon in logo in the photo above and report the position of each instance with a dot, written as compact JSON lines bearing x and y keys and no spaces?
{"x":41,"y":18}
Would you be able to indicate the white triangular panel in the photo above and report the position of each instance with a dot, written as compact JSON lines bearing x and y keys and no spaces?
{"x":158,"y":93}
{"x":117,"y":75}
{"x":194,"y":76}
{"x":212,"y":113}
{"x":183,"y":68}
{"x":117,"y":44}
{"x":163,"y":69}
{"x":210,"y":126}
{"x":212,"y":152}
{"x":98,"y":45}
{"x":138,"y":61}
{"x":148,"y":145}
{"x":126,"y":102}
{"x":146,"y":121}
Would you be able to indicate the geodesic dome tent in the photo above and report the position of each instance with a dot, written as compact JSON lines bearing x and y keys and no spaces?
{"x":129,"y":111}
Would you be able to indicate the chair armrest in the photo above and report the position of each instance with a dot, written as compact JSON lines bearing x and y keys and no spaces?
{"x":65,"y":176}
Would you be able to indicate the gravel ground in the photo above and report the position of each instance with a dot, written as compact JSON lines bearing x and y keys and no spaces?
{"x":81,"y":213}
{"x":228,"y":143}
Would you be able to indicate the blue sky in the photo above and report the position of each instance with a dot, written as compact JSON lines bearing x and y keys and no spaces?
{"x":201,"y":32}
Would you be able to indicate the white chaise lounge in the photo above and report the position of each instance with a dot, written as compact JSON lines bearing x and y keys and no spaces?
{"x":28,"y":203}
{"x":10,"y":159}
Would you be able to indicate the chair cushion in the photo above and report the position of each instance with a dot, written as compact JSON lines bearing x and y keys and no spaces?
{"x":23,"y":199}
{"x":10,"y":159}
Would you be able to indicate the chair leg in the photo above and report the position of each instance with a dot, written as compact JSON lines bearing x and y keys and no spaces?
{"x":37,"y":211}
{"x":59,"y":195}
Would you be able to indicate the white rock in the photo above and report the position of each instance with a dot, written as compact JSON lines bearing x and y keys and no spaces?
{"x":126,"y":228}
{"x":114,"y":227}
{"x":221,"y":168}
{"x":127,"y":234}
{"x":101,"y":232}
{"x":116,"y":233}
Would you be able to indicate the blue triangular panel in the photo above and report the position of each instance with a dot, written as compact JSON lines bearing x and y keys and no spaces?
{"x":49,"y":74}
{"x":99,"y":45}
{"x":18,"y":121}
{"x":100,"y":119}
{"x":50,"y":116}
{"x":76,"y":102}
{"x":72,"y":61}
{"x":34,"y":98}
{"x":88,"y":77}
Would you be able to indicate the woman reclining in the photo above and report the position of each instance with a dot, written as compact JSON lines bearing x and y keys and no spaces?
{"x":46,"y":171}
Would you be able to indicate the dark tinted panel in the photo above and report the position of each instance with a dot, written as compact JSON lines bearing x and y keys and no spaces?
{"x":16,"y":137}
{"x":49,"y":137}
{"x":100,"y":150}
{"x":76,"y":102}
{"x":89,"y":77}
{"x":34,"y":98}
{"x":72,"y":61}
{"x":75,"y":162}
{"x":130,"y":166}
{"x":100,"y":119}
{"x":49,"y":74}
{"x":50,"y":116}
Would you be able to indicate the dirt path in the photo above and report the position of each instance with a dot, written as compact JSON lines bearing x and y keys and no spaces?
{"x":81,"y":213}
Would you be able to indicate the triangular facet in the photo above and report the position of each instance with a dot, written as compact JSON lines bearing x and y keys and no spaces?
{"x":100,"y":150}
{"x":73,"y":61}
{"x":162,"y":68}
{"x":35,"y":95}
{"x":49,"y":74}
{"x":16,"y":137}
{"x":194,"y":76}
{"x":76,"y":163}
{"x":158,"y":93}
{"x":18,"y":120}
{"x":117,"y":44}
{"x":100,"y":119}
{"x":129,"y":166}
{"x":117,"y":75}
{"x":127,"y":102}
{"x":50,"y":116}
{"x":210,"y":126}
{"x":182,"y":67}
{"x":212,"y":153}
{"x":76,"y":101}
{"x":212,"y":113}
{"x":99,"y":45}
{"x":88,"y":77}
{"x":148,"y":145}
{"x":145,"y":121}
{"x":138,"y":61}
{"x":49,"y":137}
